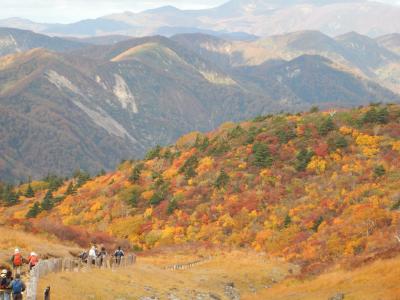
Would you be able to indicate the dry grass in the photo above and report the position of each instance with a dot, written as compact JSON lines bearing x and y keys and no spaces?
{"x":45,"y":247}
{"x":378,"y":281}
{"x":247,"y":271}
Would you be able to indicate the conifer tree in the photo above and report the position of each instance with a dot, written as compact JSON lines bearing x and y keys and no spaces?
{"x":10,"y":198}
{"x":47,"y":202}
{"x":222,"y":180}
{"x":29,"y":192}
{"x":262,"y":155}
{"x":70,"y":189}
{"x":34,"y":211}
{"x":136,"y":172}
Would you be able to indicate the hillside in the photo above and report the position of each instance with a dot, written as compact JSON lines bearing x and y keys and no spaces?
{"x":15,"y":40}
{"x":358,"y":54}
{"x":314,"y":188}
{"x":93,"y":107}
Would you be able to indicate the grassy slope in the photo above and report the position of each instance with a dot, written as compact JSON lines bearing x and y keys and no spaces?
{"x":372,"y":282}
{"x":44,"y":246}
{"x":250,"y":274}
{"x":246,"y":269}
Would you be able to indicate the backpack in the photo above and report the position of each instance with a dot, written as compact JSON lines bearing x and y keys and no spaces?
{"x":17,"y":287}
{"x":34,"y":260}
{"x":17,"y":259}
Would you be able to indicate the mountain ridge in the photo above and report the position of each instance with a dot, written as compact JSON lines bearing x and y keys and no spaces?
{"x":258,"y":18}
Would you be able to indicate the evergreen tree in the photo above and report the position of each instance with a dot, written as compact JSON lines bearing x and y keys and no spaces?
{"x":153,"y":153}
{"x":70,"y":189}
{"x":172,"y":206}
{"x":156,"y":198}
{"x":262,"y":155}
{"x":317,"y":223}
{"x":326,"y":126}
{"x":134,"y":198}
{"x":10,"y":198}
{"x":189,"y":167}
{"x":83,"y":177}
{"x":29,"y":192}
{"x":379,"y":171}
{"x":54,"y":181}
{"x":303,"y":159}
{"x":47,"y":202}
{"x":288,"y":221}
{"x":222,"y":180}
{"x":376,"y":116}
{"x":34,"y":211}
{"x":136,"y":172}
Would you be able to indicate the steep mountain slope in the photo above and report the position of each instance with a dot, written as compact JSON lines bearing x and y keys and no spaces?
{"x":314,"y":188}
{"x":52,"y":124}
{"x":90,"y":114}
{"x":256,"y":17}
{"x":99,"y":104}
{"x":354,"y":52}
{"x":16,"y":40}
{"x":313,"y":80}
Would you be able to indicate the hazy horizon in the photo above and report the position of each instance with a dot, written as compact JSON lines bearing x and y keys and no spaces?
{"x":69,"y":11}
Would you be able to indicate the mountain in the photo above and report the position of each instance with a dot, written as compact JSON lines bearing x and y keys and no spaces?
{"x":316,"y":189}
{"x":94,"y":106}
{"x":354,"y":52}
{"x":16,"y":40}
{"x":312,"y":80}
{"x":391,"y":42}
{"x":102,"y":40}
{"x":254,"y":17}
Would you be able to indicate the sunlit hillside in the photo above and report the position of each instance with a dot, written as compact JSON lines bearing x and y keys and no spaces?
{"x":316,"y":189}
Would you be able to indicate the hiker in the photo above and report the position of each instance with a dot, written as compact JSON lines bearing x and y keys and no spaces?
{"x":17,"y":261}
{"x":83,"y":256}
{"x":118,"y":254}
{"x":5,"y":281}
{"x":102,"y":255}
{"x":33,"y":259}
{"x":17,"y":287}
{"x":92,"y":255}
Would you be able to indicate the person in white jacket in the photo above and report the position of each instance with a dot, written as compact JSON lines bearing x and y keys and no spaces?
{"x":92,"y":255}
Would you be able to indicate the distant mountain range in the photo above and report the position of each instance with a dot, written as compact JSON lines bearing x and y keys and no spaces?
{"x":237,"y":17}
{"x":71,"y":105}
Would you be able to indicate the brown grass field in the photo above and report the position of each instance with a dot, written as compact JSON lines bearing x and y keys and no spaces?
{"x":253,"y":276}
{"x":248,"y":272}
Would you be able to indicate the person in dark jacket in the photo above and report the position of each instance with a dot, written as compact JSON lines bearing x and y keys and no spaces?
{"x":5,"y":281}
{"x":102,"y":256}
{"x":118,"y":254}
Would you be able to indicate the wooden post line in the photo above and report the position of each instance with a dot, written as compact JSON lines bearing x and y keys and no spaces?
{"x":56,"y":265}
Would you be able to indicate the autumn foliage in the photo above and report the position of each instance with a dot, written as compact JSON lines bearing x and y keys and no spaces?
{"x":314,"y":188}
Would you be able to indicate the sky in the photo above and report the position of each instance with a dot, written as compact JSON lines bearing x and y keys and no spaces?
{"x":67,"y":11}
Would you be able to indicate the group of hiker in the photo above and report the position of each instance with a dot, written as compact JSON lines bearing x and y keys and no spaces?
{"x":11,"y":284}
{"x":98,"y":257}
